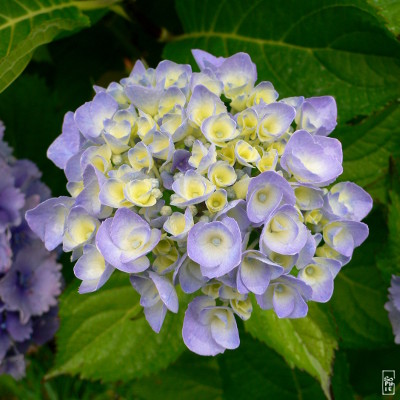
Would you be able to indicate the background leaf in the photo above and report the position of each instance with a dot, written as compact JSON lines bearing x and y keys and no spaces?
{"x":307,"y":343}
{"x":25,"y":25}
{"x":256,"y":372}
{"x":191,"y":377}
{"x":390,"y":11}
{"x":389,"y":257}
{"x":360,"y":294}
{"x":300,"y":47}
{"x":367,"y":148}
{"x":105,"y":336}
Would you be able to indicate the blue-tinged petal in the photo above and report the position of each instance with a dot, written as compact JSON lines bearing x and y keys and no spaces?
{"x":155,"y":315}
{"x":318,"y":115}
{"x":91,"y":116}
{"x":265,"y":194}
{"x":67,"y":144}
{"x":224,"y":329}
{"x":197,"y":335}
{"x":145,"y":99}
{"x":47,"y":220}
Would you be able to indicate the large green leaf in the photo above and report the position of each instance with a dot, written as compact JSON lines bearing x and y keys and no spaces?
{"x":256,"y":372}
{"x":388,"y":260}
{"x":368,"y":145}
{"x":310,"y":48}
{"x":360,"y":294}
{"x":307,"y":343}
{"x":390,"y":12}
{"x":191,"y":377}
{"x":105,"y":335}
{"x":27,"y":24}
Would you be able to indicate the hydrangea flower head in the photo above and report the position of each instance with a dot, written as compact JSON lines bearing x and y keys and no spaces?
{"x":30,"y":277}
{"x":209,"y":181}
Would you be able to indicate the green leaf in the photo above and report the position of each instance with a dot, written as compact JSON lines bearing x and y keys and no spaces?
{"x":191,"y":377}
{"x":360,"y":294}
{"x":25,"y":25}
{"x":105,"y":336}
{"x":300,"y":47}
{"x":366,"y":370}
{"x":32,"y":122}
{"x":340,"y":379}
{"x":389,"y":258}
{"x":307,"y":343}
{"x":367,"y":148}
{"x":390,"y":12}
{"x":256,"y":372}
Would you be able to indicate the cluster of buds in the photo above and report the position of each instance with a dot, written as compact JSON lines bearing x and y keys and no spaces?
{"x":208,"y":181}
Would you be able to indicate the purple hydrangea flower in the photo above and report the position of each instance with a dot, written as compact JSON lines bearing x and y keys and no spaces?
{"x":393,"y":307}
{"x":287,"y":295}
{"x":32,"y":284}
{"x":313,"y":159}
{"x":125,"y":239}
{"x":214,"y":246}
{"x":30,"y":277}
{"x":204,"y":180}
{"x":317,"y":115}
{"x":157,"y":296}
{"x":208,"y":329}
{"x":266,"y":192}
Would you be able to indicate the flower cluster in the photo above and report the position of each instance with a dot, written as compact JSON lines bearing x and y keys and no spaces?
{"x":393,"y":307}
{"x":30,"y":278}
{"x":205,"y":180}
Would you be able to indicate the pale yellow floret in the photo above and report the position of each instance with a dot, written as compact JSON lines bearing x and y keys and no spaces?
{"x":238,"y":102}
{"x":176,"y":224}
{"x":74,"y":188}
{"x":268,"y":161}
{"x":227,"y":154}
{"x":139,"y":158}
{"x":313,"y":217}
{"x":193,"y":189}
{"x":247,"y":122}
{"x":202,"y":112}
{"x":279,"y":228}
{"x":284,"y":260}
{"x":217,"y":201}
{"x":220,"y":131}
{"x":162,"y":262}
{"x":117,"y":131}
{"x":246,"y":152}
{"x":163,"y":247}
{"x":80,"y":230}
{"x":266,"y":94}
{"x":142,"y":193}
{"x":115,"y":190}
{"x":159,"y":145}
{"x":213,"y":85}
{"x":278,"y":146}
{"x":145,"y":124}
{"x":222,"y":174}
{"x":268,"y":128}
{"x":241,"y":187}
{"x":327,"y":252}
{"x":168,"y":103}
{"x":242,"y":307}
{"x":101,"y":158}
{"x":198,"y":152}
{"x":212,"y":290}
